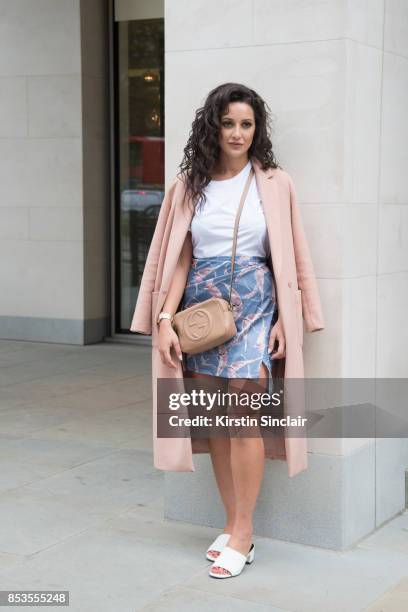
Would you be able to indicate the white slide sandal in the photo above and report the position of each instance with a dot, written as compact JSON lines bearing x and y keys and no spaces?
{"x":218,"y":545}
{"x":232,"y":561}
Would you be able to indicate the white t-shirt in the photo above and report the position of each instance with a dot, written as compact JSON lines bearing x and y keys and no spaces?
{"x":212,"y":225}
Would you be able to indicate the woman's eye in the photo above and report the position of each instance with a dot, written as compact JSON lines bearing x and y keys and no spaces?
{"x":245,"y":124}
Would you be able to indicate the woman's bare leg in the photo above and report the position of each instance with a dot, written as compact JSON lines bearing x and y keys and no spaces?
{"x":247,"y":467}
{"x":220,"y":451}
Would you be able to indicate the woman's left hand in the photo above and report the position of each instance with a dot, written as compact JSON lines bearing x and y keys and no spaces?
{"x":277,"y":335}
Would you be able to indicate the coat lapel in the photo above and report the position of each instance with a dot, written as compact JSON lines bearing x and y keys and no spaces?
{"x":269,"y":194}
{"x":183,"y":213}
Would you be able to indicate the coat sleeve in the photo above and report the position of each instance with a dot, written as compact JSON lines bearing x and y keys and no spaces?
{"x":311,"y":305}
{"x":142,"y":316}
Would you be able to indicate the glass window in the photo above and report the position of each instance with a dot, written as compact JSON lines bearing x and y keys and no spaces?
{"x":140,"y":153}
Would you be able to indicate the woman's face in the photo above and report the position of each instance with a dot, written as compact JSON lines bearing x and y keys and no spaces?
{"x":237,"y":130}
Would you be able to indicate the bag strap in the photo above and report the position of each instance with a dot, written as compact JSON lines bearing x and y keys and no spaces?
{"x":234,"y":242}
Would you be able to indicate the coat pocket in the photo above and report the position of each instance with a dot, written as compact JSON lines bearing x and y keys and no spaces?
{"x":299,"y":315}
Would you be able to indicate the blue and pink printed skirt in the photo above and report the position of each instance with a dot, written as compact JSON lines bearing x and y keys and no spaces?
{"x":255,"y":312}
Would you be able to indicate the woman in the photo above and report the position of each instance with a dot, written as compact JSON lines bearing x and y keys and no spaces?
{"x":228,"y":133}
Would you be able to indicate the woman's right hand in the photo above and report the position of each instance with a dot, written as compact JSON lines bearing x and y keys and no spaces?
{"x":168,"y":339}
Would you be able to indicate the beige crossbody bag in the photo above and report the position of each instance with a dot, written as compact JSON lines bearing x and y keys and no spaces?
{"x":207,"y":324}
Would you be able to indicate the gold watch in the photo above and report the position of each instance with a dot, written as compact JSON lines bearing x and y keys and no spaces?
{"x":165,"y":315}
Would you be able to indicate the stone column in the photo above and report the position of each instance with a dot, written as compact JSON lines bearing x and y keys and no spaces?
{"x":335,"y":75}
{"x":54,"y":189}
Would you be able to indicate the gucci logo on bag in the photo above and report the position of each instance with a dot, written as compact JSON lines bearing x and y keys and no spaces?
{"x":197,"y":324}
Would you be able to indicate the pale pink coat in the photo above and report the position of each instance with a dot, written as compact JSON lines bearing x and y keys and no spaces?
{"x":297,"y":296}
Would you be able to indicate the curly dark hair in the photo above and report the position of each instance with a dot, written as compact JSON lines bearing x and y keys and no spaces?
{"x":202,"y":149}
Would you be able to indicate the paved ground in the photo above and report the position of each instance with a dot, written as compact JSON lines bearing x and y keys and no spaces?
{"x":81,"y":504}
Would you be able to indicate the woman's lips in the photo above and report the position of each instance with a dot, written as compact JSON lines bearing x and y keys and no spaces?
{"x":236,"y":144}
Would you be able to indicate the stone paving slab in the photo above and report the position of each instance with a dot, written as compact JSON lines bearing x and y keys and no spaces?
{"x":81,"y":504}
